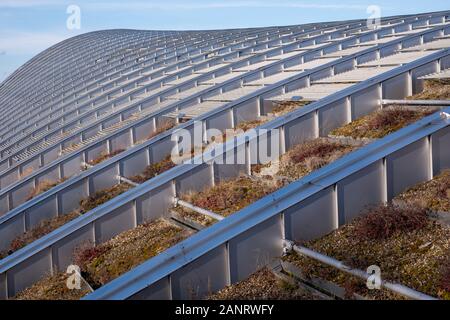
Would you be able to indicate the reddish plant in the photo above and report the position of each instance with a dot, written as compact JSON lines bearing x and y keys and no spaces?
{"x":102,"y":196}
{"x":154,"y":169}
{"x":84,"y":255}
{"x":395,"y":117}
{"x":315,"y":148}
{"x":445,"y":278}
{"x":351,"y":287}
{"x":383,"y":221}
{"x":104,"y":156}
{"x":229,"y":196}
{"x":247,"y":125}
{"x":166,"y":126}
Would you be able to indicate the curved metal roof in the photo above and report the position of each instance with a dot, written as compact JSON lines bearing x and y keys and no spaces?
{"x":111,"y":90}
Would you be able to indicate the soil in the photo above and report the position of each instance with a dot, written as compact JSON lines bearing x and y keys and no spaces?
{"x":127,"y":250}
{"x":48,"y":225}
{"x":226,"y":197}
{"x":104,"y":156}
{"x":153,"y":170}
{"x":105,"y":262}
{"x":311,"y":155}
{"x":411,"y":252}
{"x":262,"y":285}
{"x":433,"y":194}
{"x":434,"y":90}
{"x":53,"y":288}
{"x":381,"y":123}
{"x":44,"y":186}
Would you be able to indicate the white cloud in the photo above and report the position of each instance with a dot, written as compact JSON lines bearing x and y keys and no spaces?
{"x":136,"y":5}
{"x":16,"y":42}
{"x":28,"y":3}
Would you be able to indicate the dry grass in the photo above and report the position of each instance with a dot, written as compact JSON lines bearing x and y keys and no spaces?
{"x":49,"y":225}
{"x":193,"y":216}
{"x":445,"y":278}
{"x":257,"y":168}
{"x":284,"y":107}
{"x":243,"y":127}
{"x":26,"y":172}
{"x":231,"y":195}
{"x":250,"y":124}
{"x":44,"y":186}
{"x":42,"y":229}
{"x":101,"y":264}
{"x":52,"y":288}
{"x":104,"y":156}
{"x":279,"y":109}
{"x":434,"y":194}
{"x":154,"y":169}
{"x":385,"y":221}
{"x":102,"y":196}
{"x":411,"y":252}
{"x":262,"y":285}
{"x":381,"y":123}
{"x":434,"y":90}
{"x":127,"y":250}
{"x":166,"y":126}
{"x":311,"y":155}
{"x":226,"y":197}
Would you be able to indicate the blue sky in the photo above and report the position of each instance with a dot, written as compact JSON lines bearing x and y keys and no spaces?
{"x":29,"y":26}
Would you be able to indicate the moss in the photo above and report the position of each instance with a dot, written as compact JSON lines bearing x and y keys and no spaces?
{"x":284,"y":107}
{"x":164,"y":127}
{"x":102,"y":263}
{"x":445,"y":278}
{"x":384,"y":221}
{"x":229,"y":196}
{"x":411,"y":256}
{"x":381,"y":123}
{"x":250,"y":124}
{"x":105,"y":156}
{"x":434,"y":194}
{"x":102,"y":196}
{"x":127,"y":250}
{"x":26,"y":172}
{"x":53,"y":288}
{"x":153,"y":170}
{"x":232,"y":195}
{"x":434,"y":90}
{"x":44,"y":186}
{"x":279,"y":109}
{"x":256,"y":168}
{"x":48,"y":225}
{"x":262,"y":285}
{"x":190,"y":215}
{"x":43,"y":228}
{"x":311,"y":155}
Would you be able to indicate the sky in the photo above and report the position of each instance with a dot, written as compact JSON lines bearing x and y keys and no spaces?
{"x":27,"y":27}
